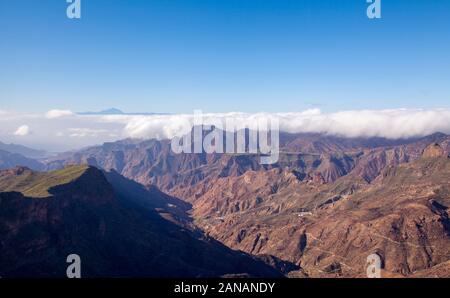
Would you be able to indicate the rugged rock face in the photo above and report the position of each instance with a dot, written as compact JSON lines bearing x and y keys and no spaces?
{"x":326,"y":205}
{"x":403,"y":217}
{"x":311,"y":155}
{"x":76,"y":210}
{"x":432,"y":151}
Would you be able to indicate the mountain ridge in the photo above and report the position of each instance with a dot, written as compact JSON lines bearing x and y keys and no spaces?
{"x":83,"y":215}
{"x":320,"y":209}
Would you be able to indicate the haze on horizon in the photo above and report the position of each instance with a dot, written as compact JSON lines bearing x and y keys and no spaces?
{"x":63,"y":130}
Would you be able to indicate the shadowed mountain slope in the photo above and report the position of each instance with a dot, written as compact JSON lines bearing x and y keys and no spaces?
{"x":44,"y":217}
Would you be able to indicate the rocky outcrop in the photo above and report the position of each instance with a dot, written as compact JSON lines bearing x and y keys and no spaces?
{"x":402,"y":216}
{"x":433,"y":151}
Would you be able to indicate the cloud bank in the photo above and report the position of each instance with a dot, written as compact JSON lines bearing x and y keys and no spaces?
{"x":392,"y":124}
{"x":59,"y":130}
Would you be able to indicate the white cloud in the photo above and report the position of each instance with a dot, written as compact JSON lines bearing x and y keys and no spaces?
{"x":159,"y":127}
{"x":54,"y":114}
{"x":392,"y":124}
{"x":399,"y":123}
{"x":22,"y":131}
{"x":76,"y":131}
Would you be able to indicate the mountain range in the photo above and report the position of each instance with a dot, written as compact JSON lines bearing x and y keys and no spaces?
{"x":325,"y":206}
{"x":23,"y":150}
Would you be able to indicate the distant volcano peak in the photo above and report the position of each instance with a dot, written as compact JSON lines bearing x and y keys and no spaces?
{"x":115,"y":111}
{"x":112,"y":111}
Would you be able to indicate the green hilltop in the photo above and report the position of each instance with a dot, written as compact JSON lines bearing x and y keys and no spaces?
{"x":38,"y":184}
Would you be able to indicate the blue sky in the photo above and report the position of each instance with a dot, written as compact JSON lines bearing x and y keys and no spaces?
{"x":220,"y":56}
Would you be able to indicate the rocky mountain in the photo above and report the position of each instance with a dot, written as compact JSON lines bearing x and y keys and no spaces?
{"x":325,"y":206}
{"x":117,"y":227}
{"x":434,"y":150}
{"x":402,"y":216}
{"x":312,"y":157}
{"x":319,"y":143}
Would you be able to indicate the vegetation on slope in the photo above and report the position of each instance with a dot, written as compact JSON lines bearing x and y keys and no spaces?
{"x":38,"y":184}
